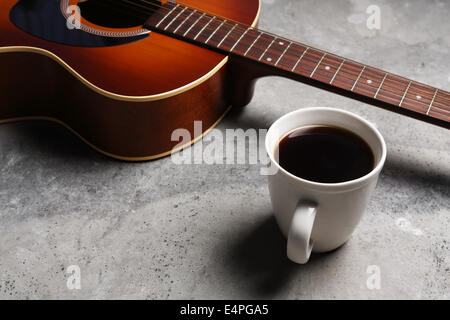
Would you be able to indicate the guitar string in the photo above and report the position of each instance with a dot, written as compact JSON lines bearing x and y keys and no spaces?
{"x":416,"y":90}
{"x":413,"y":91}
{"x":233,"y":22}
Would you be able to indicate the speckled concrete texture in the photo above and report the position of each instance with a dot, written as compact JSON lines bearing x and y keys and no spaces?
{"x":161,"y":230}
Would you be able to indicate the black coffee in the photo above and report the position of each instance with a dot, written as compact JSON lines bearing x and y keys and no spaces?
{"x":325,"y":154}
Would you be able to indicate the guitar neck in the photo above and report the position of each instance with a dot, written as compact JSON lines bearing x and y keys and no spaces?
{"x":303,"y":63}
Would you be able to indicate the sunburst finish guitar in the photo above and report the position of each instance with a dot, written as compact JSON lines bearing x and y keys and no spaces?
{"x":124,"y":74}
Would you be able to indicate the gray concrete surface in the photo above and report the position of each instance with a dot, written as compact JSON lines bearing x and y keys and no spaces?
{"x":160,"y":230}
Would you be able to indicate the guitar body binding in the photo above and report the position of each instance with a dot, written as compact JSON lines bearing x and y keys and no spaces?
{"x":122,"y":91}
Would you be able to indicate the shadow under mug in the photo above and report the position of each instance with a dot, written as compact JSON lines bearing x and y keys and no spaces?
{"x":314,"y":216}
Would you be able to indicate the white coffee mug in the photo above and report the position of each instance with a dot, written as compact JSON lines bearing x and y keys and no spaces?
{"x":316,"y":216}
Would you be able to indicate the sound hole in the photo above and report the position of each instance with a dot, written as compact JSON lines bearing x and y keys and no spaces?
{"x":111,"y":14}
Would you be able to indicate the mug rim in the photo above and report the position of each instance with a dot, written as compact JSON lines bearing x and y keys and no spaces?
{"x":338,"y":185}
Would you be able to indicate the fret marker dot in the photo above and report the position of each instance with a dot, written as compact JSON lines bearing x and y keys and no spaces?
{"x":327,"y":68}
{"x":281,"y":43}
{"x":269,"y":59}
{"x":419,"y":97}
{"x":369,"y":81}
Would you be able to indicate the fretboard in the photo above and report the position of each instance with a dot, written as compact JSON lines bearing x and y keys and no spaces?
{"x":304,"y":63}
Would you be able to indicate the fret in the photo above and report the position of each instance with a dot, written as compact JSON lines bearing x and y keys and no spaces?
{"x":184,"y":21}
{"x":275,"y":50}
{"x":204,"y":27}
{"x":369,"y":82}
{"x":432,"y":101}
{"x":194,"y":24}
{"x":441,"y":106}
{"x":347,"y":75}
{"x":359,"y":76}
{"x":209,"y":31}
{"x":327,"y":68}
{"x":240,"y":38}
{"x":266,"y":49}
{"x":164,"y":18}
{"x":284,"y":52}
{"x":404,"y":95}
{"x":176,"y":17}
{"x":291,"y":56}
{"x":381,"y":84}
{"x":228,"y":41}
{"x":226,"y":36}
{"x":317,"y":65}
{"x":249,"y":48}
{"x":309,"y":62}
{"x":215,"y":30}
{"x":393,"y":89}
{"x":337,"y":71}
{"x":300,"y":59}
{"x":419,"y":97}
{"x":260,"y":46}
{"x":245,"y":41}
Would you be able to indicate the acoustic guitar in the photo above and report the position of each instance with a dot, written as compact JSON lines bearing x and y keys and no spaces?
{"x":124,"y":74}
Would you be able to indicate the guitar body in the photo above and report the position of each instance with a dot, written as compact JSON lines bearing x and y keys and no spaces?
{"x":122,"y":90}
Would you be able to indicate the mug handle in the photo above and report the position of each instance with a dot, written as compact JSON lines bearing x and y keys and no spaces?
{"x":300,"y":244}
